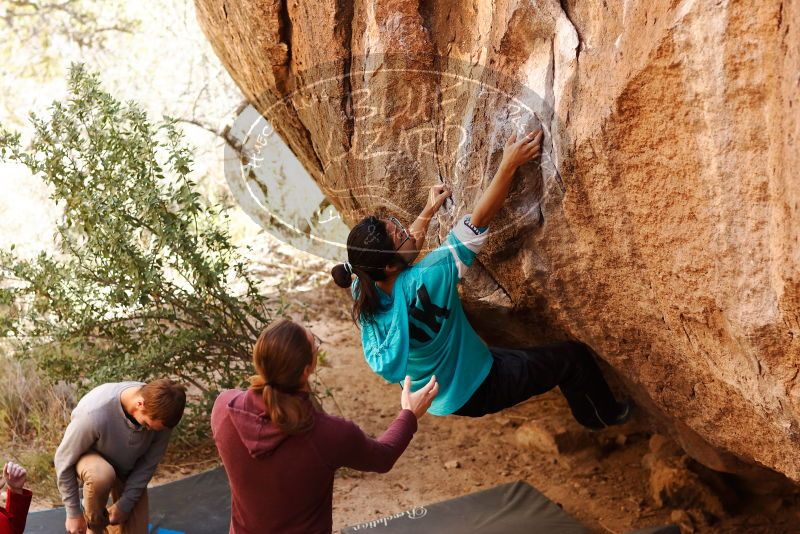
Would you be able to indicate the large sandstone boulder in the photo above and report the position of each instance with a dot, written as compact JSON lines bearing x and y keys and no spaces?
{"x":661,"y":227}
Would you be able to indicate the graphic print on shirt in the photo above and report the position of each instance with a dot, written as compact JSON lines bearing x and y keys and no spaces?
{"x":429,"y":315}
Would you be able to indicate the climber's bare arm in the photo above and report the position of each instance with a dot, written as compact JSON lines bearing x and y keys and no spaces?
{"x":418,"y":229}
{"x":515,"y":154}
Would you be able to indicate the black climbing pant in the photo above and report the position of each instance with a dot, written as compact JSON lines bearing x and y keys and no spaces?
{"x":519,"y":374}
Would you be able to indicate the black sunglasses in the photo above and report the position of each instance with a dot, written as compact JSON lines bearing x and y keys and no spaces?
{"x":406,"y":235}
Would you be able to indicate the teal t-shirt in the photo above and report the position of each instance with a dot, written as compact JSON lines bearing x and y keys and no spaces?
{"x":421,"y":329}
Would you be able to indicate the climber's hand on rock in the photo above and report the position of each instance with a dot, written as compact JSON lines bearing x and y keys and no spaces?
{"x":520,"y":151}
{"x":436,"y":197}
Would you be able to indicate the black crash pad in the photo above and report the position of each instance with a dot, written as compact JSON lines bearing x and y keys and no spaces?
{"x":199,"y":504}
{"x":514,"y":508}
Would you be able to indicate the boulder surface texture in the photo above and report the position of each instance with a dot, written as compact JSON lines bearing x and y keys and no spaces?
{"x":661,"y":224}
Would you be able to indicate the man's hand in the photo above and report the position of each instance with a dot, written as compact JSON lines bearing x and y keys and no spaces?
{"x":519,"y":152}
{"x":117,"y":516}
{"x":419,"y":401}
{"x":436,"y":197}
{"x":15,"y":475}
{"x":76,"y":525}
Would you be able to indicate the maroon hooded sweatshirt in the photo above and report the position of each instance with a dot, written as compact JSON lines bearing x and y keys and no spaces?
{"x":284,"y":484}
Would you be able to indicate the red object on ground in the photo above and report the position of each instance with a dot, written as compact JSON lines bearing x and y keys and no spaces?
{"x":14,"y":515}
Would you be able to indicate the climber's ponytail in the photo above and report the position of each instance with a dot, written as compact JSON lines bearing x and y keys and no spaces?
{"x":280,"y":356}
{"x":342,"y":275}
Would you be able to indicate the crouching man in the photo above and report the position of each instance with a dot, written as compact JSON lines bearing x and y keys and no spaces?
{"x":118,"y":434}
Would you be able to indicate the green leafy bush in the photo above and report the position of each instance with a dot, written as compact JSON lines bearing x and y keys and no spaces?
{"x":146,"y":281}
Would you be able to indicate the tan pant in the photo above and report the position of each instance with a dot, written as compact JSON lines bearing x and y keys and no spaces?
{"x":100,"y":481}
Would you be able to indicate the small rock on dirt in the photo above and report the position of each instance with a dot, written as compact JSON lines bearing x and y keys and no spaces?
{"x":672,"y":484}
{"x":552,"y":436}
{"x":663,"y":447}
{"x":683,"y":520}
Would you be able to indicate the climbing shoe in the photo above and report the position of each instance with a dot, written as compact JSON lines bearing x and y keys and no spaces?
{"x":622,"y":416}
